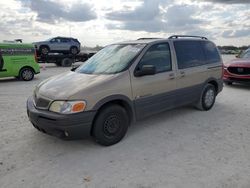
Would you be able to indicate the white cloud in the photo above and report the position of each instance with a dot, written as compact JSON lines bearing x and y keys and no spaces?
{"x":103,"y":22}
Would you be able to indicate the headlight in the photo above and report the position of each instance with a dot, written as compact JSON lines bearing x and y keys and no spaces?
{"x":67,"y":107}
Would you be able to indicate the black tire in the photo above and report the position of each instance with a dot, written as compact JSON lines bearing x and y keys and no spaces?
{"x":228,"y":83}
{"x":44,"y":50}
{"x":74,"y":50}
{"x":26,"y":74}
{"x":207,"y":98}
{"x":66,"y":62}
{"x":111,"y":125}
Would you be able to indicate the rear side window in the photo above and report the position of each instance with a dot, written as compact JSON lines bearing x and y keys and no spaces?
{"x":189,"y":54}
{"x":159,"y":56}
{"x":64,"y":40}
{"x":211,"y":52}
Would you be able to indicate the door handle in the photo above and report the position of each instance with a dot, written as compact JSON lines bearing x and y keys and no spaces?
{"x":182,"y":74}
{"x":171,"y":76}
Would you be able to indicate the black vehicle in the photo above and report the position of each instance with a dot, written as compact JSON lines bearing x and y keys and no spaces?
{"x":64,"y":60}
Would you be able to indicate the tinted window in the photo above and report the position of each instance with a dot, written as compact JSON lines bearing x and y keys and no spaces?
{"x":189,"y":54}
{"x":75,"y":40}
{"x":211,"y":52}
{"x":64,"y":40}
{"x":159,"y":56}
{"x":1,"y":62}
{"x":55,"y":40}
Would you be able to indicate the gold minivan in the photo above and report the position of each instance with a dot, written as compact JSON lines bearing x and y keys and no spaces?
{"x":125,"y":82}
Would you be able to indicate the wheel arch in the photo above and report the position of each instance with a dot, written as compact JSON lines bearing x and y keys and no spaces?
{"x":215,"y":83}
{"x":44,"y":45}
{"x":120,"y":100}
{"x":74,"y":46}
{"x":26,"y":66}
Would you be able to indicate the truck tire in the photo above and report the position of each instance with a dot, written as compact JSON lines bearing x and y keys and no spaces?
{"x":67,"y":62}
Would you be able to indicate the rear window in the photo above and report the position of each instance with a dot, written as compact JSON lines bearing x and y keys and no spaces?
{"x":211,"y":52}
{"x":195,"y":53}
{"x":65,"y":40}
{"x":75,"y":40}
{"x":189,"y":54}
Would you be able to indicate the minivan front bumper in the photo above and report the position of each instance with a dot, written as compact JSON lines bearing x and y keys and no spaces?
{"x":70,"y":126}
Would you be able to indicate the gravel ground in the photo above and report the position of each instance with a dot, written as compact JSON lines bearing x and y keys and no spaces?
{"x":178,"y":148}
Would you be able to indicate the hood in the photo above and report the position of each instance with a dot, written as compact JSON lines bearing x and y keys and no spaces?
{"x":63,"y":86}
{"x":239,"y":63}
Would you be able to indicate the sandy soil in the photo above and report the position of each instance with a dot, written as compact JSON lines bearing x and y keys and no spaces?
{"x":178,"y":148}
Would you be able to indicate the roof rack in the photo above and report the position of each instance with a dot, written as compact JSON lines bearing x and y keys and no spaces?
{"x":148,"y":38}
{"x":187,"y":36}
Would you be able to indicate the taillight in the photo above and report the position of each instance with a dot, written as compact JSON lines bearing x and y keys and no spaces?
{"x":35,"y":56}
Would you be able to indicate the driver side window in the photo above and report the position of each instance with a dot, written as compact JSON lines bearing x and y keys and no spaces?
{"x":159,"y":56}
{"x":55,"y":40}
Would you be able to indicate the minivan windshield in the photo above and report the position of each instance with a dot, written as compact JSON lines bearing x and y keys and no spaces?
{"x":111,"y":59}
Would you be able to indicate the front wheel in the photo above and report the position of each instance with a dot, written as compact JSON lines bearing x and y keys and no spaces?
{"x":73,"y":50}
{"x":26,"y":74}
{"x":110,"y":125}
{"x":207,"y":98}
{"x":44,"y":50}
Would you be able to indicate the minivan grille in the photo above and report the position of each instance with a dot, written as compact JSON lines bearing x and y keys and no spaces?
{"x":239,"y":70}
{"x":41,"y":102}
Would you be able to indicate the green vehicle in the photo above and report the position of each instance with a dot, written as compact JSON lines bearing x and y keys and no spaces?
{"x":18,"y":60}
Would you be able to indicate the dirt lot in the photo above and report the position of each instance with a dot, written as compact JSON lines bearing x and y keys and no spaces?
{"x":178,"y":148}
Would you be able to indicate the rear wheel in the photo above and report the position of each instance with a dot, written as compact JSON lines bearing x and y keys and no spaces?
{"x":207,"y":98}
{"x":74,"y":50}
{"x":110,"y":125}
{"x":26,"y":74}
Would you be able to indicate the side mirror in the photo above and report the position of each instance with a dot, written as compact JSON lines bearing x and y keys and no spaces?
{"x":145,"y":70}
{"x":239,"y":54}
{"x":74,"y":67}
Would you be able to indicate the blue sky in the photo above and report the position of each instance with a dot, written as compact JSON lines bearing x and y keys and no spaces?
{"x":101,"y":22}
